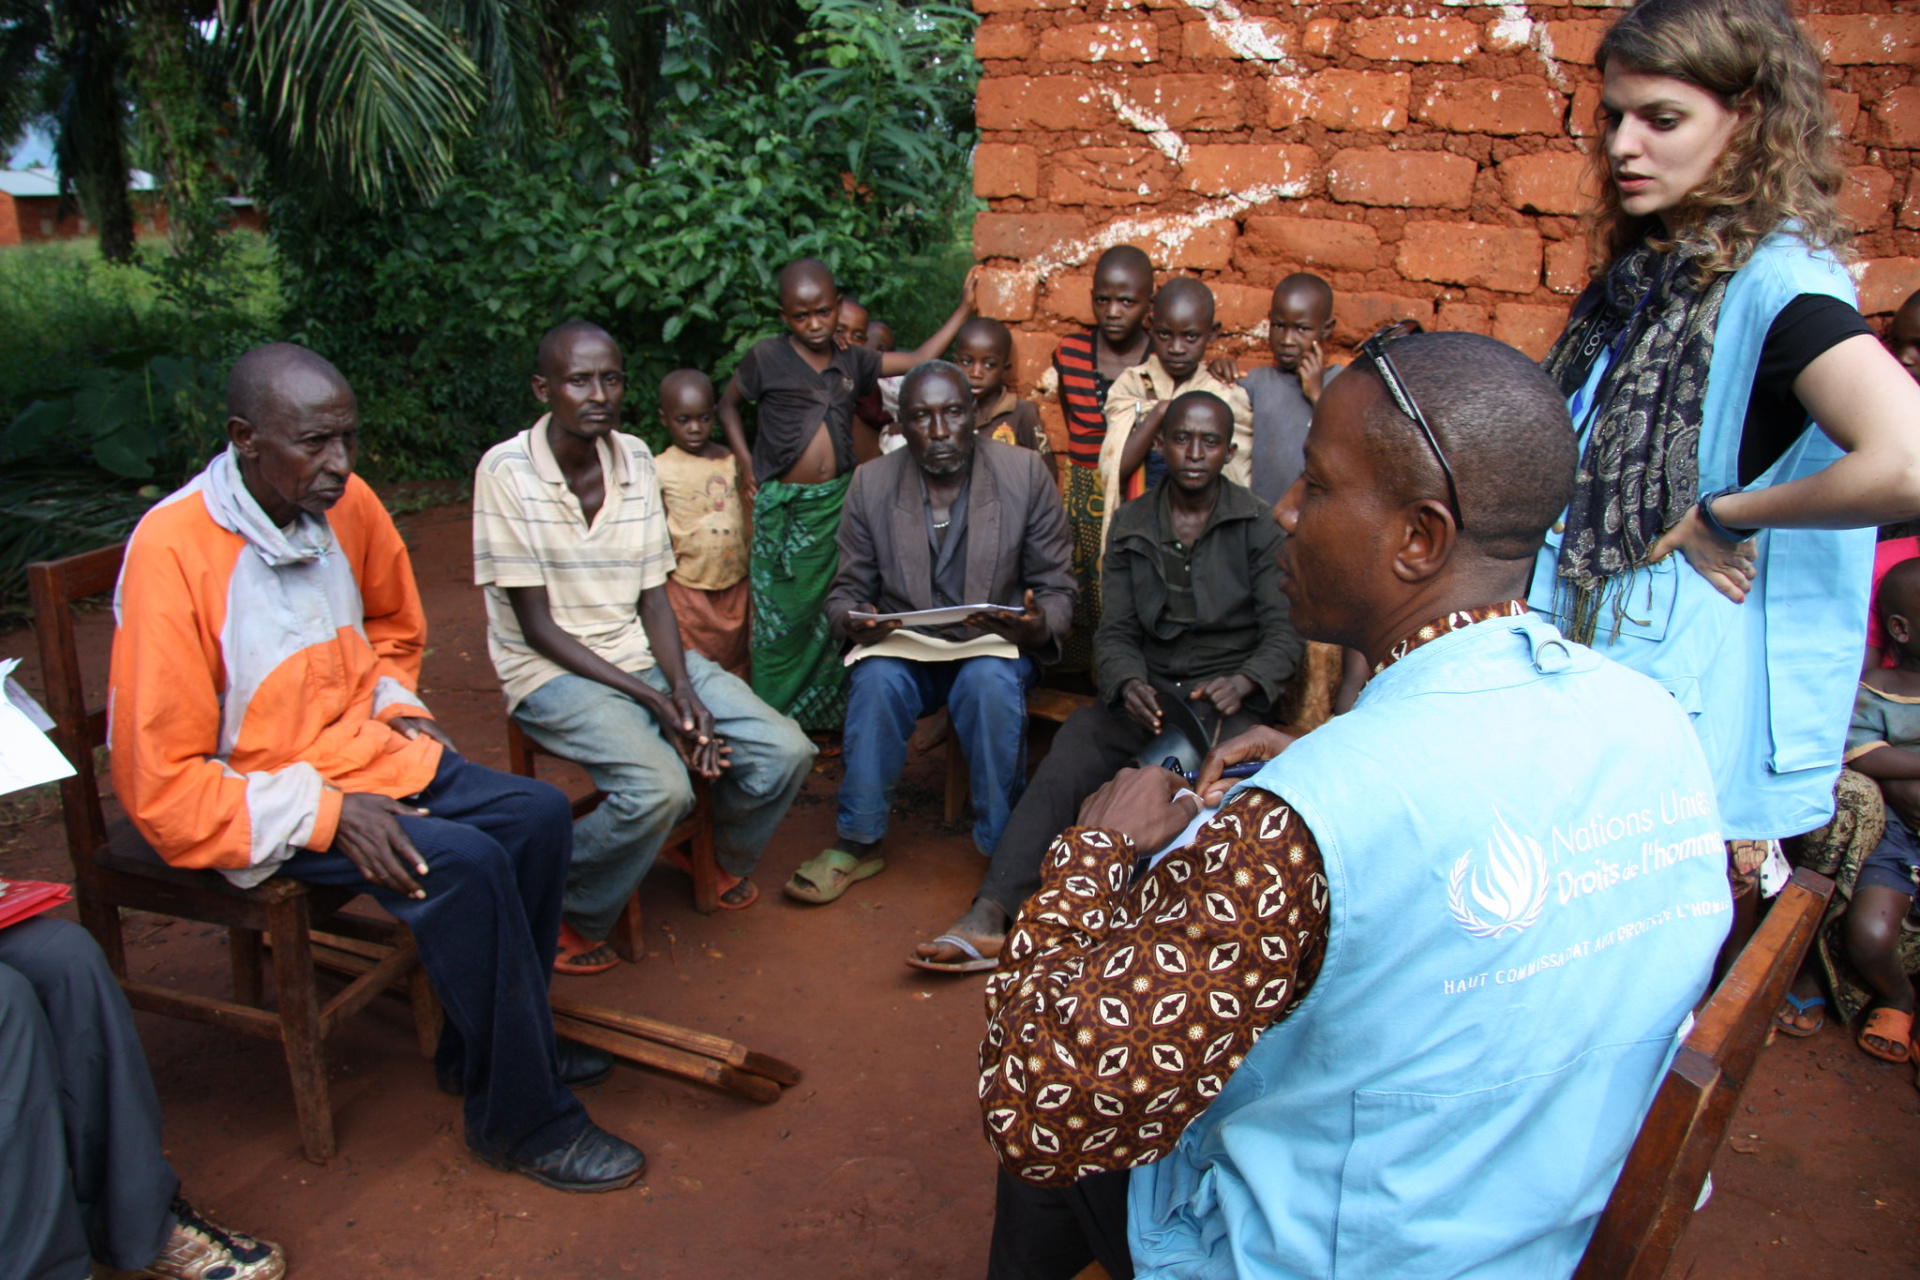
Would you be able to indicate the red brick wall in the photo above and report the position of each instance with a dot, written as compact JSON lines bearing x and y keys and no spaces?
{"x":1428,"y":166}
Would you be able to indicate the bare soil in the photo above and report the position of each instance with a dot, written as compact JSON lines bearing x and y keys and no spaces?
{"x":874,"y":1165}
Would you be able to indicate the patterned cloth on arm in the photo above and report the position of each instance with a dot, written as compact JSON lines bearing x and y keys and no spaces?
{"x":796,"y":660}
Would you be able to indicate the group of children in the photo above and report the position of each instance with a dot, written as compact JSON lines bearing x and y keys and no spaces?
{"x":824,"y":394}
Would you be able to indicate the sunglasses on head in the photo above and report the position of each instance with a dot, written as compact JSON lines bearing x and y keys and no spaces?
{"x":1375,"y":349}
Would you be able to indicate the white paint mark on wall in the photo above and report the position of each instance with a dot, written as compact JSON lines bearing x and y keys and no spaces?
{"x":1169,"y":232}
{"x":1167,"y":142}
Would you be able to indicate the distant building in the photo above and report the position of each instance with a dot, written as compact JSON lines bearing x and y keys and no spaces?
{"x":30,"y":209}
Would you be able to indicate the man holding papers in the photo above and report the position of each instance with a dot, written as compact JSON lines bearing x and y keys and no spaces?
{"x":948,"y":522}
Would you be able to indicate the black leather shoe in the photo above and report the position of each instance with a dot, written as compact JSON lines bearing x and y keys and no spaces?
{"x":580,"y":1067}
{"x":594,"y":1160}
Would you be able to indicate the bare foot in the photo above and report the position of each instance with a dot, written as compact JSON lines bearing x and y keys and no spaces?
{"x":984,"y":926}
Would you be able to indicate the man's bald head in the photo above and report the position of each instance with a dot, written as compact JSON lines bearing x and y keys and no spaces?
{"x":268,"y":379}
{"x":1504,"y":427}
{"x":550,"y":361}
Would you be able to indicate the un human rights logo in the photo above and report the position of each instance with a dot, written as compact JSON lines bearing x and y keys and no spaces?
{"x":1509,"y":885}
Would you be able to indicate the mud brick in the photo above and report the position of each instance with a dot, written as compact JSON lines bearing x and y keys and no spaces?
{"x":1527,"y":326}
{"x":1341,"y":99}
{"x":1101,"y":42}
{"x":1576,"y":40}
{"x":1108,"y":176}
{"x":1854,"y":39}
{"x":1401,"y":179}
{"x":1413,"y":39}
{"x":1866,"y":199}
{"x":1567,"y":265}
{"x":1188,"y":101}
{"x":1024,"y":235}
{"x":1032,"y":353}
{"x":1069,"y":297}
{"x":1886,"y":283}
{"x":1039,"y":102}
{"x":1471,"y":253}
{"x":1007,"y":294}
{"x":1001,"y":170}
{"x":1249,"y":39}
{"x":1002,"y":40}
{"x":1516,"y":105}
{"x":1229,"y":169}
{"x":1327,"y":243}
{"x":1358,"y":315}
{"x":1898,"y":114}
{"x":1548,"y":182}
{"x":1463,"y":317}
{"x":1240,"y":308}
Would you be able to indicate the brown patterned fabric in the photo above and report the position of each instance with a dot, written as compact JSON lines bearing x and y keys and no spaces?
{"x":1446,"y":624}
{"x":1119,"y":1013}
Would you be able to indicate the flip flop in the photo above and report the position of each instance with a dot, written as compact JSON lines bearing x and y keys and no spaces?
{"x":726,"y":881}
{"x":828,"y":874}
{"x":573,"y":945}
{"x":1892,"y":1025}
{"x":976,"y":961}
{"x":1784,"y":1024}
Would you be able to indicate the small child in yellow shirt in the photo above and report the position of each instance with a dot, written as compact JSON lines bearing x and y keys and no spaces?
{"x":700,"y":488}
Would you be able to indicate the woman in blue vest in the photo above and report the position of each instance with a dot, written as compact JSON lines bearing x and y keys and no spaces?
{"x":1732,"y":406}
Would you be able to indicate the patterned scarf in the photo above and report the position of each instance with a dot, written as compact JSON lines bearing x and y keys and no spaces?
{"x":1641,"y":468}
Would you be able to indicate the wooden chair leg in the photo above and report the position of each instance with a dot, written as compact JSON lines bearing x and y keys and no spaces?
{"x":629,"y":940}
{"x":958,"y":779}
{"x":102,"y":920}
{"x":428,"y":1014}
{"x":706,"y":868}
{"x":243,"y":950}
{"x":302,"y":1034}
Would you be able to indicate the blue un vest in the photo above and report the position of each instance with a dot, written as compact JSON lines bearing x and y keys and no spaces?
{"x":1528,"y":889}
{"x":1769,"y":683}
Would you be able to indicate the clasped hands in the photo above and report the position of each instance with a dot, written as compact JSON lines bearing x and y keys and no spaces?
{"x":1140,"y":803}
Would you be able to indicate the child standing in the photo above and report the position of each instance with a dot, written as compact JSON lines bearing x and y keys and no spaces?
{"x":700,"y":487}
{"x":1182,"y":327}
{"x":1883,"y":743}
{"x":984,"y":352}
{"x":1298,"y":325}
{"x":1085,"y":366}
{"x":804,"y":385}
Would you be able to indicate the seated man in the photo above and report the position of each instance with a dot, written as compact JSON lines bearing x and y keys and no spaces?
{"x":1191,"y":599}
{"x":264,"y":722}
{"x":570,"y":541}
{"x":82,"y":1175}
{"x":1405,"y":998}
{"x":947,"y":521}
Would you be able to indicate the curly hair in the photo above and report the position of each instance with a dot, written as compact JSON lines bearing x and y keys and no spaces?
{"x":1782,"y":162}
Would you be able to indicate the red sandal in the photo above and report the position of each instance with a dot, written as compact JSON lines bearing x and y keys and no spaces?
{"x":573,"y":945}
{"x":726,"y":881}
{"x":1895,"y":1026}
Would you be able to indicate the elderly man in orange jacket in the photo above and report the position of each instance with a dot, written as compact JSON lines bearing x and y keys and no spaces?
{"x":266,"y":721}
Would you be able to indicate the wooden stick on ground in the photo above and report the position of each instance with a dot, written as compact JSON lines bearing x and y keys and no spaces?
{"x":730,"y":1052}
{"x":690,"y":1066}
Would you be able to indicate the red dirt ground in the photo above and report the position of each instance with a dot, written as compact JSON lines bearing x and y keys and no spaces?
{"x":874,"y":1165}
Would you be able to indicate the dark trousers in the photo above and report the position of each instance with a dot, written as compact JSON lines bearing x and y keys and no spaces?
{"x":1052,"y":1233}
{"x":81,"y":1174}
{"x":1095,"y":743}
{"x":498,"y":847}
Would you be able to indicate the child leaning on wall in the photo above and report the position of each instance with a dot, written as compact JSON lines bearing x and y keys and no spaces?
{"x":700,"y":488}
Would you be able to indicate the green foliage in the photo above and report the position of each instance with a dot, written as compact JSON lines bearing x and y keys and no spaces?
{"x":859,"y":157}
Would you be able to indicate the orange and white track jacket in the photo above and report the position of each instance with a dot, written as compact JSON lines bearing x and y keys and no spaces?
{"x":254,"y":672}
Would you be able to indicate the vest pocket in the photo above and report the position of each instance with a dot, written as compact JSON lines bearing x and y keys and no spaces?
{"x":1500,"y":1181}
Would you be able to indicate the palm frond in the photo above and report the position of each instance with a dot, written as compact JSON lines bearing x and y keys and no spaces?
{"x":370,"y":92}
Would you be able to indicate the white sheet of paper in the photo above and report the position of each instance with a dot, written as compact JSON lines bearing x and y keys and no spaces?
{"x":27,"y":756}
{"x":917,"y":646}
{"x":1186,"y":836}
{"x":947,"y":617}
{"x":22,"y":699}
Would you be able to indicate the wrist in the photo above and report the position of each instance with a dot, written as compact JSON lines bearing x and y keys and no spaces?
{"x":1713,"y":521}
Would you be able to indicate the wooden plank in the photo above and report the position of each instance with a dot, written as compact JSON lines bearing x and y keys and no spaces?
{"x":688,"y":1066}
{"x":731,"y":1052}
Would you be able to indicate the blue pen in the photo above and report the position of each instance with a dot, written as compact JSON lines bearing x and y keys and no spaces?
{"x":1235,"y":771}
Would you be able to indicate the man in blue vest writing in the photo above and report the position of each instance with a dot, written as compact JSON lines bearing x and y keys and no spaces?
{"x":1398,"y":1005}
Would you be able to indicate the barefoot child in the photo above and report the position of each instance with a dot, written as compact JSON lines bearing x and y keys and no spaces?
{"x":1298,"y":325}
{"x":1085,"y":366}
{"x":1182,"y":327}
{"x":804,"y":386}
{"x":700,"y":487}
{"x":984,"y":352}
{"x":1884,"y":743}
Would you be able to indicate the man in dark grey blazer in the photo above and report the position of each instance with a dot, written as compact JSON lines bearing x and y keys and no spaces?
{"x":947,"y":522}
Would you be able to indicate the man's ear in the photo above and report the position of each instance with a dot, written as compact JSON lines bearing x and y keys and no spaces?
{"x":540,"y":389}
{"x":1426,"y":542}
{"x":241,"y":433}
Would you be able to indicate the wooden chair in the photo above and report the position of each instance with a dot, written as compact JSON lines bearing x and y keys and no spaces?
{"x":694,"y":834}
{"x":115,"y":870}
{"x":1654,"y":1199}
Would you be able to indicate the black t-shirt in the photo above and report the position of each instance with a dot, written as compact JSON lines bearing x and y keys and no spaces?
{"x":1806,"y":329}
{"x":792,"y":399}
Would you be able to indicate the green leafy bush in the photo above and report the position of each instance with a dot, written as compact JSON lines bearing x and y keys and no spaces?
{"x":859,"y":158}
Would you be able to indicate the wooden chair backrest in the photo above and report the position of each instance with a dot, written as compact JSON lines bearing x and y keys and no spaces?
{"x":1654,"y":1199}
{"x":56,"y":585}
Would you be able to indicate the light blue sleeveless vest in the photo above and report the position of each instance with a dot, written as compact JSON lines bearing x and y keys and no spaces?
{"x":1528,"y":888}
{"x":1769,"y":683}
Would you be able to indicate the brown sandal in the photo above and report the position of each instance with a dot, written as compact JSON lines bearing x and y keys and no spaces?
{"x":1895,"y":1026}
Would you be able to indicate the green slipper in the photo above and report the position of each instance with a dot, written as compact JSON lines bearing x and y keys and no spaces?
{"x":826,"y":875}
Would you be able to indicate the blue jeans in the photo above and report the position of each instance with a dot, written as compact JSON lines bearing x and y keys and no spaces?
{"x":497,"y":848}
{"x":619,"y":744}
{"x":987,"y":698}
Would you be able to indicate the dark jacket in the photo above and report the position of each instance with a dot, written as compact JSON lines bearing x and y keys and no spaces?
{"x":1017,"y":539}
{"x":1241,"y":625}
